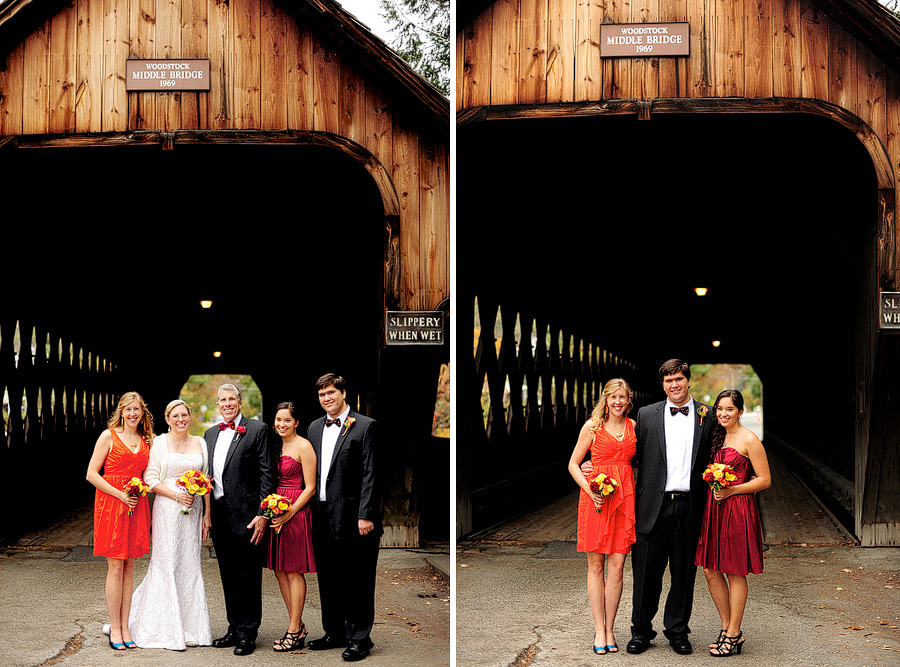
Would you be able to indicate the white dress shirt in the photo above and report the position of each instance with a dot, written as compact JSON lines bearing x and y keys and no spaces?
{"x":223,"y":444}
{"x":679,"y":445}
{"x":330,"y":435}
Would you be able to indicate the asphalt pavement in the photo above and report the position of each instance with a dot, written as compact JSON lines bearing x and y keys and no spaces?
{"x":522,"y":595}
{"x":52,"y":608}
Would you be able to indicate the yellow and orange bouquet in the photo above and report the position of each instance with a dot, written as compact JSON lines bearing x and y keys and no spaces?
{"x":135,"y":487}
{"x":274,"y":505}
{"x":718,"y":476}
{"x":195,"y":483}
{"x":604,"y":485}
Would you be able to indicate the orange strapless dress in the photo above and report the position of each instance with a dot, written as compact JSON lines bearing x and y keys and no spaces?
{"x":116,"y":534}
{"x":612,"y":530}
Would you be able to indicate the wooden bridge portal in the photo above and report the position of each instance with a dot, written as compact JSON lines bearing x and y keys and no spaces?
{"x":600,"y":191}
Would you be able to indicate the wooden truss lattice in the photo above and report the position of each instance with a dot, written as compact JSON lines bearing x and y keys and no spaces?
{"x":534,"y":385}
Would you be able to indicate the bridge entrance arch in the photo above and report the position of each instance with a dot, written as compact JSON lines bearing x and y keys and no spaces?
{"x":604,"y":225}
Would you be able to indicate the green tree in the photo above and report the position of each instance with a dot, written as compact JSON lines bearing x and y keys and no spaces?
{"x":422,"y":37}
{"x":200,"y":393}
{"x":709,"y":380}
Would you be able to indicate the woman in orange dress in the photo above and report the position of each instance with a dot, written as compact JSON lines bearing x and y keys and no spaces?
{"x":606,"y":524}
{"x":122,"y":452}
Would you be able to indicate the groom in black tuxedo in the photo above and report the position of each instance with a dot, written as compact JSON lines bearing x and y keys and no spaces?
{"x":243,"y":472}
{"x":673,"y":444}
{"x":346,"y":521}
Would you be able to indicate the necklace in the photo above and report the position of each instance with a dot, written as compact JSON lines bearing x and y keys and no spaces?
{"x":179,"y":445}
{"x":617,"y":436}
{"x":133,"y":446}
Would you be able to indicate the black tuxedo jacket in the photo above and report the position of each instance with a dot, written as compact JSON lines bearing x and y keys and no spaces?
{"x":249,"y":474}
{"x":651,"y":464}
{"x":350,"y":487}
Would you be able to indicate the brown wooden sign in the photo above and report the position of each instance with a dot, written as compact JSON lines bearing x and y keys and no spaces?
{"x":167,"y":74}
{"x":889,"y":311}
{"x":641,"y":40}
{"x":414,"y":327}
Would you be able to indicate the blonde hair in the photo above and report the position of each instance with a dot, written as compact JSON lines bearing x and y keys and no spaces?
{"x":598,"y":415}
{"x":145,"y":426}
{"x":174,"y":404}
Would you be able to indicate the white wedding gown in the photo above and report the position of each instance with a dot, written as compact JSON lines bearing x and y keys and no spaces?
{"x":169,"y":608}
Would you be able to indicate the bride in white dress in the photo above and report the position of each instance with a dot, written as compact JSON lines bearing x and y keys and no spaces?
{"x":169,"y":608}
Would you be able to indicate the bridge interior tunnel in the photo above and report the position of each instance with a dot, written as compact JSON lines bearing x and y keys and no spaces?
{"x":128,"y":241}
{"x":605,"y":225}
{"x":113,"y":249}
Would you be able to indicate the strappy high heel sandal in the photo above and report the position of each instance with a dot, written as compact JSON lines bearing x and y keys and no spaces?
{"x":292,"y":641}
{"x":728,"y":646}
{"x":722,"y":634}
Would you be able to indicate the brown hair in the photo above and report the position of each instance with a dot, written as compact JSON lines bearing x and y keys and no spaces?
{"x":329,"y":379}
{"x":718,"y":436}
{"x":673,"y":367}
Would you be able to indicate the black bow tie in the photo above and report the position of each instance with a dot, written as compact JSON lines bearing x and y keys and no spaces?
{"x":684,"y":410}
{"x":336,"y":421}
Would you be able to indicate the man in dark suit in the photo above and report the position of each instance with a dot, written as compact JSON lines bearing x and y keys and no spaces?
{"x":673,"y":440}
{"x":243,"y":472}
{"x":346,"y":521}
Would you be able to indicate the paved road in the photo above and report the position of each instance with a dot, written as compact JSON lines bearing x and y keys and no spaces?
{"x":52,"y":610}
{"x":522,"y":595}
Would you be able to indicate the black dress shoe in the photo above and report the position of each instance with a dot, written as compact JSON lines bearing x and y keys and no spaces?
{"x":680,"y":644}
{"x":326,"y":642}
{"x":244,"y":647}
{"x":230,"y":639}
{"x":357,"y":651}
{"x":637,"y":645}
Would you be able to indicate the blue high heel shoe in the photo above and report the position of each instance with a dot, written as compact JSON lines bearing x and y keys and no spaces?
{"x":600,"y":650}
{"x":612,"y":648}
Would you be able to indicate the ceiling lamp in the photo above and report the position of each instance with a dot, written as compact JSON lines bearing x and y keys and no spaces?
{"x":206,"y":303}
{"x":700,"y":290}
{"x":217,"y":354}
{"x":716,"y":343}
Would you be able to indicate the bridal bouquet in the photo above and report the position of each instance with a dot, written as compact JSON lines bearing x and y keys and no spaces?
{"x":604,"y":485}
{"x":718,"y":476}
{"x":273,"y":505}
{"x":195,"y":483}
{"x":136,"y":488}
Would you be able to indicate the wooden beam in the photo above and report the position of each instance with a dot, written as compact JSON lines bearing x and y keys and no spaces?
{"x":770,"y":105}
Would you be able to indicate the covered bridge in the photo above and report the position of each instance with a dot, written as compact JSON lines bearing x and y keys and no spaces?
{"x":298,"y":178}
{"x":755,"y":155}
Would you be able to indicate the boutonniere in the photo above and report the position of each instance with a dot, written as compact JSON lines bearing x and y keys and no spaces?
{"x":702,"y":411}
{"x":347,"y":424}
{"x":240,"y":429}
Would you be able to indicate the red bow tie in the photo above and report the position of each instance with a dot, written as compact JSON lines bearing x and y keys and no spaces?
{"x":225,"y":425}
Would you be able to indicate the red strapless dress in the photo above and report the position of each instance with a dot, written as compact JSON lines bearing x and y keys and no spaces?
{"x":116,"y":534}
{"x":291,"y":548}
{"x":730,"y":536}
{"x":612,"y":530}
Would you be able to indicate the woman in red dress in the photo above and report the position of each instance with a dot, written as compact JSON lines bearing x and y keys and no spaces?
{"x":290,"y":549}
{"x":606,"y":524}
{"x":730,"y":537}
{"x":122,"y":452}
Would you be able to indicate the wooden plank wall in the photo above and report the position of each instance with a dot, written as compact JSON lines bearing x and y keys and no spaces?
{"x":267,"y":73}
{"x":547,"y":51}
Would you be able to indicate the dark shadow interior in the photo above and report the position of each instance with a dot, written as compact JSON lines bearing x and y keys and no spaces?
{"x":607,"y":224}
{"x":117,"y":246}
